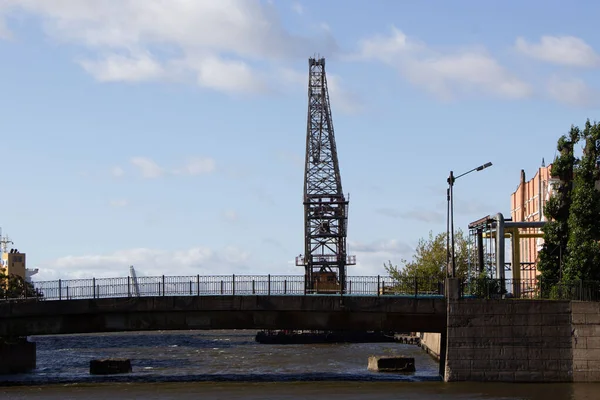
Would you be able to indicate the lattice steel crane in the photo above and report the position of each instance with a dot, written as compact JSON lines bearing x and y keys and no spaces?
{"x":325,"y":207}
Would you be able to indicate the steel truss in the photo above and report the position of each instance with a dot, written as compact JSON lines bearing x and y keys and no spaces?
{"x":325,"y":207}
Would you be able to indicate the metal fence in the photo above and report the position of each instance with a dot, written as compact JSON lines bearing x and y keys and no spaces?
{"x":96,"y":288}
{"x":536,"y":288}
{"x":227,"y":285}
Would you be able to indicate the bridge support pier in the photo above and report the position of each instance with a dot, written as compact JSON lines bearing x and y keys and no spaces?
{"x":17,"y":355}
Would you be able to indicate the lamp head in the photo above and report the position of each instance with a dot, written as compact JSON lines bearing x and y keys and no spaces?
{"x":484,"y":166}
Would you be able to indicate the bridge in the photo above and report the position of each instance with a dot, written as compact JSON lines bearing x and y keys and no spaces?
{"x":312,"y":312}
{"x":218,"y":302}
{"x":482,"y":339}
{"x":223,"y":302}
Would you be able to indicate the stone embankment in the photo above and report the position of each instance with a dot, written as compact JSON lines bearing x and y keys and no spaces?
{"x":585,"y":331}
{"x":520,"y":340}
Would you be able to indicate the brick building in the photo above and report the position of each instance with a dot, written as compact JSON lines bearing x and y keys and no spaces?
{"x":527,"y":204}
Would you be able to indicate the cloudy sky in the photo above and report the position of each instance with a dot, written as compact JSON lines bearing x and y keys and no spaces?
{"x":169,"y":134}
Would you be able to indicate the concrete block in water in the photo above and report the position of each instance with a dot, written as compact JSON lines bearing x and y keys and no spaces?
{"x":391,"y":364}
{"x":110,"y":366}
{"x":17,"y":356}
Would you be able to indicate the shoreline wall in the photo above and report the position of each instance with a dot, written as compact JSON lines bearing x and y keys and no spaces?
{"x":523,"y":341}
{"x":430,"y":343}
{"x":586,"y":341}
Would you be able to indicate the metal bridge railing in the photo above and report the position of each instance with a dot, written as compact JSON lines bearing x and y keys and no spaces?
{"x":227,"y":285}
{"x":199,"y":285}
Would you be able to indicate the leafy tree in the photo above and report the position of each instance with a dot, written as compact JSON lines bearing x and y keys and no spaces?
{"x":484,"y":286}
{"x":429,"y":260}
{"x":583,"y":245}
{"x":14,"y":286}
{"x":556,"y":230}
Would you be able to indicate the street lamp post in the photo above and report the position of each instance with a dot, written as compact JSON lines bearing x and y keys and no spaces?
{"x":450,"y":215}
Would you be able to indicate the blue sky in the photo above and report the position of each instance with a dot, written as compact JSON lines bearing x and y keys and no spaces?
{"x":169,"y":135}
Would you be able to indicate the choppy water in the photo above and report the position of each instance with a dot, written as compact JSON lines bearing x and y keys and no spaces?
{"x":211,"y":355}
{"x":230,"y":365}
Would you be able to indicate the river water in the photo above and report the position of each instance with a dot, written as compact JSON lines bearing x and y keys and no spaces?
{"x":231,"y":365}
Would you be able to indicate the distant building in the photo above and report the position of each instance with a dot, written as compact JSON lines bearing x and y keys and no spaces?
{"x":14,"y":262}
{"x":527,"y":204}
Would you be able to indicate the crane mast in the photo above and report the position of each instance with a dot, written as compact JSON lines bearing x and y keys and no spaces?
{"x":325,"y":207}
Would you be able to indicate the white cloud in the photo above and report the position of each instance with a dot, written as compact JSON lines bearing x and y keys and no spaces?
{"x":447,"y":75}
{"x":572,"y":91}
{"x":117,"y":172}
{"x":126,"y":68}
{"x":204,"y":261}
{"x":297,"y":8}
{"x":370,"y":257}
{"x":227,"y":75}
{"x":147,"y":167}
{"x":214,"y":41}
{"x":4,"y":31}
{"x":119,"y":203}
{"x":562,"y":50}
{"x":197,"y":166}
{"x":149,"y":262}
{"x":232,"y":46}
{"x":387,"y":48}
{"x":342,"y":99}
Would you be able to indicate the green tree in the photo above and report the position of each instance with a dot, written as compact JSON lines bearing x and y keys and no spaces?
{"x":14,"y":286}
{"x":429,"y":260}
{"x":556,"y":230}
{"x":583,"y":245}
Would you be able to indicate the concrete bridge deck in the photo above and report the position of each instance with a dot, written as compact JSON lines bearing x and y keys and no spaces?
{"x":316,"y":312}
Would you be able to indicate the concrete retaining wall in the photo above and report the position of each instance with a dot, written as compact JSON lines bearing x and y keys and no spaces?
{"x":430,"y":342}
{"x":509,"y":341}
{"x":586,"y":341}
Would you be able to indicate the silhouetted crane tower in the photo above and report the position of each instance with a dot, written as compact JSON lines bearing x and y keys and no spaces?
{"x":325,"y":207}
